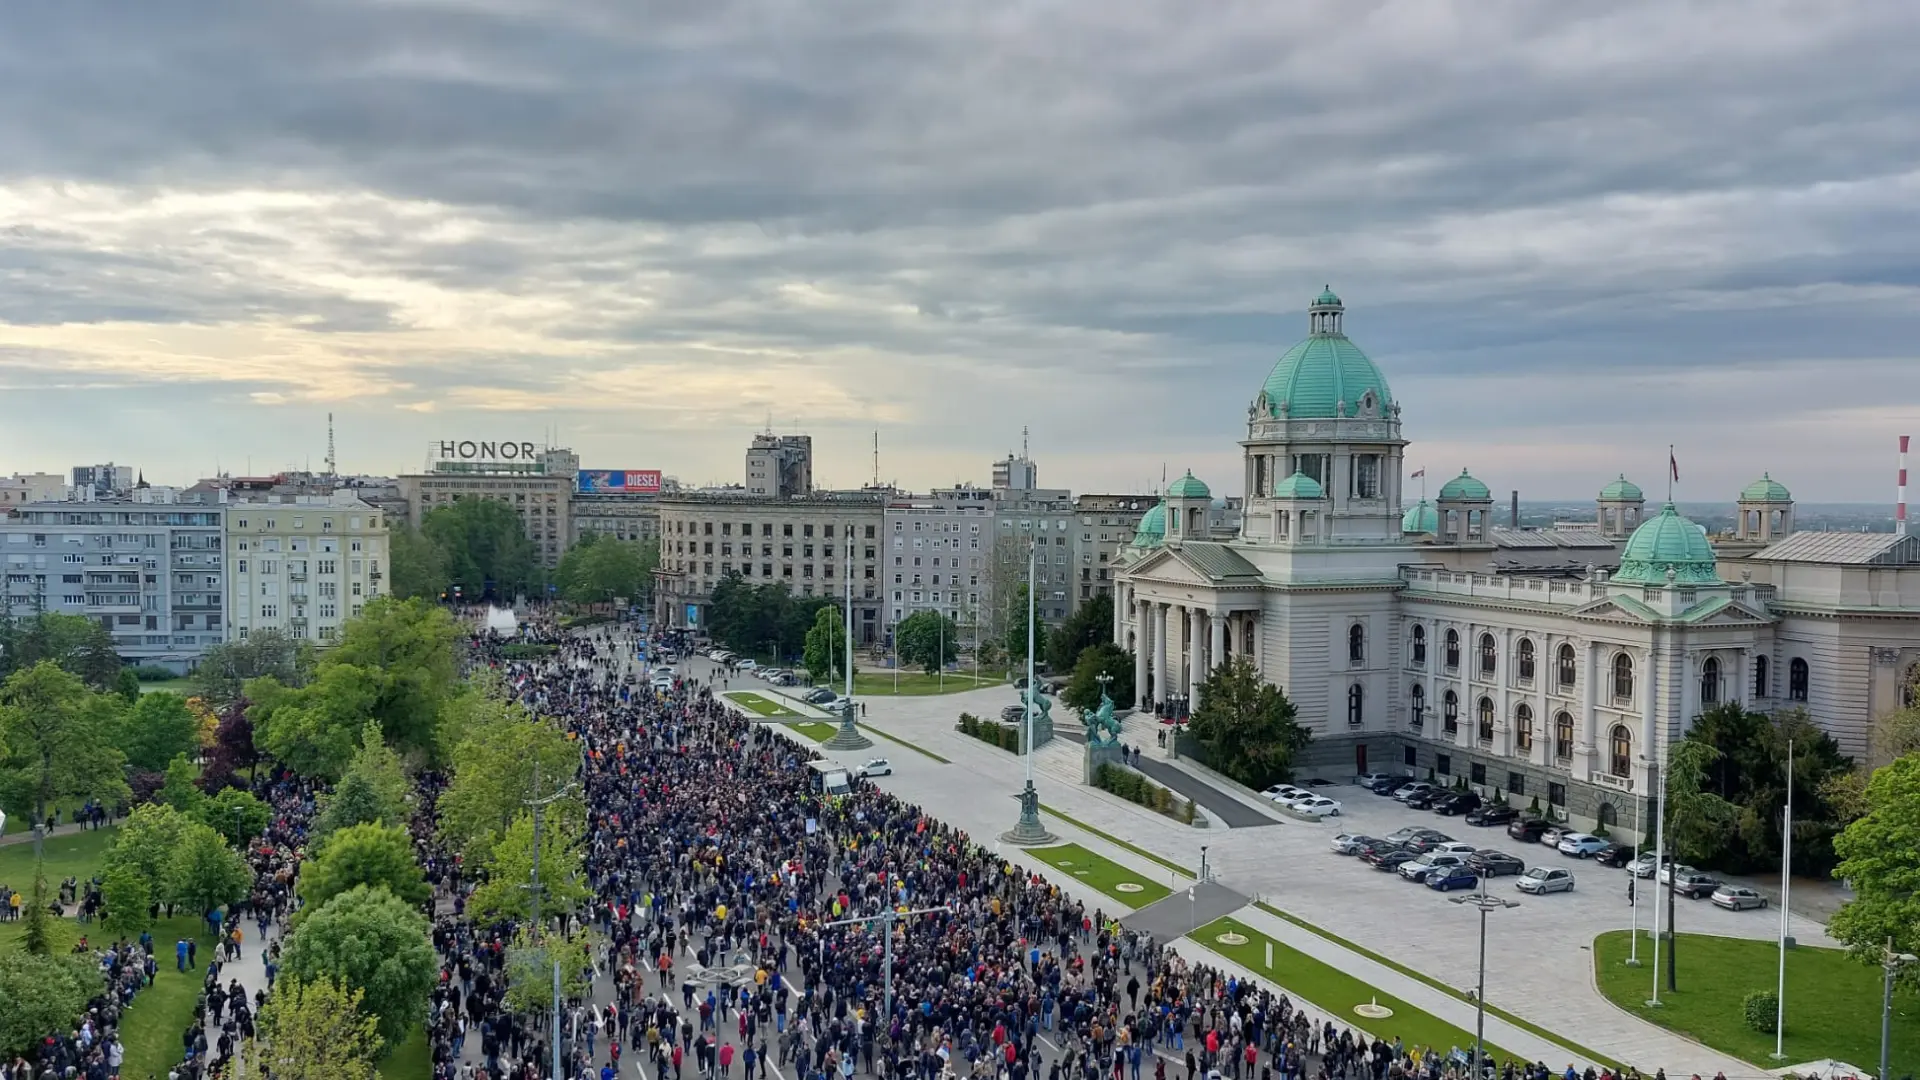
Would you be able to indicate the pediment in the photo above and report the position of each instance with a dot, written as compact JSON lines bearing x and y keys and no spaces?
{"x":1165,"y":564}
{"x":1617,"y":608}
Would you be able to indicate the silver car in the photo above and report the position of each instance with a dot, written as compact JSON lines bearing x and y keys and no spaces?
{"x":1541,"y":880}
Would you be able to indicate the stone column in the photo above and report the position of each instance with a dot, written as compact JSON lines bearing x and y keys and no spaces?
{"x":1583,"y":749}
{"x":1196,"y":671}
{"x":1217,"y":646}
{"x":1163,"y":613}
{"x":1689,"y":689}
{"x":1142,"y":642}
{"x":1503,"y":701}
{"x":1742,"y":679}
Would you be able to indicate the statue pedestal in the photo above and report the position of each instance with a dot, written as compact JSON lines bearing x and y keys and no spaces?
{"x":1097,"y":756}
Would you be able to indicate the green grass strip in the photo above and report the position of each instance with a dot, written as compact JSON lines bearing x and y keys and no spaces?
{"x":897,"y":739}
{"x":1102,"y":873}
{"x":1335,"y":991}
{"x":816,"y":730}
{"x":758,"y":705}
{"x":1117,"y":842}
{"x":1492,"y":1010}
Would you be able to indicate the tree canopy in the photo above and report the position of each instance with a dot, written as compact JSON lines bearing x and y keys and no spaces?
{"x":761,"y":618}
{"x":1880,"y":856}
{"x":500,"y":749}
{"x":1015,"y":621}
{"x":479,"y":544}
{"x":563,"y":884}
{"x":1090,"y":624}
{"x":1106,"y":658}
{"x":267,"y":653}
{"x":374,"y":788}
{"x":369,"y":854}
{"x":316,"y":1031}
{"x":156,"y":729}
{"x":39,"y":994}
{"x":203,"y":873}
{"x":1748,"y":772}
{"x":927,"y":639}
{"x":597,"y":569}
{"x":74,"y":643}
{"x":368,"y":941}
{"x":1246,"y":726}
{"x":56,"y":742}
{"x":826,"y":645}
{"x":419,"y":567}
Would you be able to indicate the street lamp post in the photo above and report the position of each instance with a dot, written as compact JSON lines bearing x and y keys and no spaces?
{"x":1028,"y":831}
{"x":1890,"y":964}
{"x":849,"y":737}
{"x":1483,"y":903}
{"x":886,"y":919}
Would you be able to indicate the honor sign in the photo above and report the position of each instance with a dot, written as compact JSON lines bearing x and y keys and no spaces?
{"x":469,"y":450}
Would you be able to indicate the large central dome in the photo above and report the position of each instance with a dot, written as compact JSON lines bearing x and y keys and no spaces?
{"x":1326,"y":375}
{"x":1667,"y":542}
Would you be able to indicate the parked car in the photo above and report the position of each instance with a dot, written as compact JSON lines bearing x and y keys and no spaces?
{"x":1411,"y":788}
{"x":1496,"y":814}
{"x":1545,"y":879}
{"x":1615,"y":855}
{"x":1424,"y":800}
{"x":1551,"y":837}
{"x":819,"y":695}
{"x":1368,"y":779}
{"x":1424,"y":844}
{"x":1492,"y":863}
{"x":1284,"y":792}
{"x":1389,"y":858}
{"x":1688,"y":882}
{"x":1418,"y":869}
{"x":1460,"y":802}
{"x":1014,"y":714}
{"x":1737,"y":898}
{"x":1416,"y":832}
{"x":1527,"y":829}
{"x":1316,"y":806}
{"x":1349,"y":843}
{"x":1386,"y":786}
{"x":1453,"y":877}
{"x":1580,"y":845}
{"x":749,"y":665}
{"x":1453,"y":847}
{"x":877,"y":767}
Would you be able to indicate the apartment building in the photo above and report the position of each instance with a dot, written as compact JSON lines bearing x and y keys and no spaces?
{"x":780,"y":466}
{"x":1046,"y":517}
{"x":616,"y":515}
{"x":23,"y":488}
{"x":937,"y":555}
{"x":1107,"y":524}
{"x":152,"y":576}
{"x":302,"y":564}
{"x":540,"y":489}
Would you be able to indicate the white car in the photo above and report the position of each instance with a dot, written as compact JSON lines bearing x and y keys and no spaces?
{"x":1540,"y":880}
{"x":877,"y":767}
{"x":1317,"y":806}
{"x":1581,"y":845}
{"x":1281,"y":793}
{"x":1349,"y":843}
{"x":1453,"y":847}
{"x":749,"y":665}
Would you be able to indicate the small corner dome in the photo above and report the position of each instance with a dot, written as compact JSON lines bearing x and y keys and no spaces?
{"x":1766,"y":489}
{"x":1326,"y":298}
{"x":1153,"y":527}
{"x":1420,"y":518}
{"x":1298,"y":486}
{"x":1188,"y":487}
{"x":1465,"y":487}
{"x":1666,"y":542}
{"x":1325,"y":375}
{"x":1622,"y":490}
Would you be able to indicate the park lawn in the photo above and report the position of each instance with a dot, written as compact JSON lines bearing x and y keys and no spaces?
{"x":74,"y":854}
{"x":182,"y":686}
{"x":411,"y":1060}
{"x":918,"y":683}
{"x":758,"y":705}
{"x":1104,"y":874}
{"x":1833,"y":1000}
{"x":816,"y":730}
{"x":1336,"y":991}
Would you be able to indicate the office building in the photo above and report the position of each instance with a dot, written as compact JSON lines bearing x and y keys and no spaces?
{"x":539,"y":487}
{"x":302,"y":564}
{"x":102,"y":481}
{"x":780,"y":466}
{"x":23,"y":488}
{"x":936,"y":557}
{"x":1106,"y":526}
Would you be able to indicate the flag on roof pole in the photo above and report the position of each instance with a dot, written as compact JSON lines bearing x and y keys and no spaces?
{"x":1673,"y":465}
{"x":1418,"y":473}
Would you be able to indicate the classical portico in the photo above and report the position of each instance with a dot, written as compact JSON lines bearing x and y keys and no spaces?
{"x":1180,"y":622}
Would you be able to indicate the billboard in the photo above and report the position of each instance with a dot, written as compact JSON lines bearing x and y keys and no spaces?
{"x":619,"y":482}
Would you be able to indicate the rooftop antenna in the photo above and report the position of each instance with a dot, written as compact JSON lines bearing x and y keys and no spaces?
{"x":876,"y":457}
{"x":1023,"y":442}
{"x":333,"y":465}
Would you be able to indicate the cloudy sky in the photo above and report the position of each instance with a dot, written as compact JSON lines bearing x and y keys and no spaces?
{"x":648,"y":227}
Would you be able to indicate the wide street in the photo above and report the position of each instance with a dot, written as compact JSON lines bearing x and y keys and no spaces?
{"x":1539,"y":965}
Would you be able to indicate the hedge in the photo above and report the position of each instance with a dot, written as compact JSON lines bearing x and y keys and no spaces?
{"x":992,"y":732}
{"x":1136,"y":788}
{"x":527,"y":650}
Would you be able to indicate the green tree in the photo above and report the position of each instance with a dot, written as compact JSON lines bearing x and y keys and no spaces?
{"x":418,"y":566}
{"x":37,"y":935}
{"x":1699,"y":820}
{"x":376,"y":855}
{"x":761,"y":618}
{"x":203,"y":873}
{"x":368,"y":940}
{"x":484,"y":543}
{"x":826,"y":648}
{"x":1015,"y":640}
{"x":74,"y":643}
{"x":313,"y":729}
{"x":236,"y":815}
{"x":599,"y":569}
{"x":41,"y":994}
{"x":1880,"y":856}
{"x":530,"y":969}
{"x":179,"y":791}
{"x":1090,"y":624}
{"x":129,"y":899}
{"x":374,"y":788}
{"x":155,"y":729}
{"x":58,"y":743}
{"x":1083,"y":690}
{"x":268,"y":653}
{"x":409,"y":645}
{"x":510,"y":868}
{"x":927,"y":639}
{"x":500,"y":750}
{"x":316,"y":1031}
{"x":146,"y":842}
{"x":1246,"y":726}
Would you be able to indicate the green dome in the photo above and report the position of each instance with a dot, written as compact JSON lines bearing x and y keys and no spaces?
{"x":1315,"y":377}
{"x":1622,"y":490}
{"x":1766,"y":489}
{"x":1465,"y":487}
{"x":1153,"y":527}
{"x":1420,"y":518}
{"x":1326,"y":298}
{"x":1665,"y":542}
{"x":1299,"y":486}
{"x":1188,"y":487}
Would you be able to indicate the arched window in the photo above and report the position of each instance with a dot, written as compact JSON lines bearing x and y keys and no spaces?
{"x":1710,"y":681}
{"x":1356,"y":697}
{"x":1419,"y":697}
{"x":1622,"y":677}
{"x":1620,"y":751}
{"x":1453,"y":650}
{"x":1489,"y":655}
{"x":1357,"y":645}
{"x":1567,"y":667}
{"x":1523,"y":728}
{"x":1523,"y":660}
{"x":1486,"y":719}
{"x":1450,"y":712}
{"x":1910,"y":686}
{"x":1761,"y":683}
{"x":1419,"y":645}
{"x":1563,"y":736}
{"x":1797,"y":679}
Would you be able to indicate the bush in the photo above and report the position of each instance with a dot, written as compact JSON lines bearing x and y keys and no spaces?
{"x":1004,"y":736}
{"x":1600,"y":830}
{"x":153,"y":673}
{"x":1136,"y":788}
{"x":1762,"y":1008}
{"x":527,"y":650}
{"x":1533,"y":810}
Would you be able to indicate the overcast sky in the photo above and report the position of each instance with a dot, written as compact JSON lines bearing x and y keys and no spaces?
{"x":650,"y":227}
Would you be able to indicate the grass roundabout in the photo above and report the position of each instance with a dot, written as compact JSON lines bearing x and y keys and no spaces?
{"x":1103,"y":874}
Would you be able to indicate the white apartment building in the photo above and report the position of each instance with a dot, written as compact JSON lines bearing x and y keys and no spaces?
{"x":302,"y":564}
{"x":936,"y":555}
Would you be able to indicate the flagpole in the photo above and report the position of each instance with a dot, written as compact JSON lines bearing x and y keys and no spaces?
{"x":1786,"y":883}
{"x":1659,"y":864}
{"x":1633,"y":881}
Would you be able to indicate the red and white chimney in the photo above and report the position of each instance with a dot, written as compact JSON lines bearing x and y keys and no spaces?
{"x":1900,"y":496}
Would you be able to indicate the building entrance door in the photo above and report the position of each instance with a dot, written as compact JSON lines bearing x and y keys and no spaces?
{"x":1360,"y":760}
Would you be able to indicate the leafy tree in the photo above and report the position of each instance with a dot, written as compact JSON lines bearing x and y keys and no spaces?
{"x":374,"y":788}
{"x":826,"y":647}
{"x":1106,"y":658}
{"x":483,"y":544}
{"x":317,"y":1031}
{"x":1246,"y":726}
{"x":74,"y":643}
{"x":269,"y":653}
{"x":146,"y":843}
{"x":41,"y":994}
{"x":1880,"y":857}
{"x":374,"y":855}
{"x":232,"y":748}
{"x":530,"y":969}
{"x":1699,"y":820}
{"x":179,"y":790}
{"x":129,"y":899}
{"x":57,"y":741}
{"x":369,"y":941}
{"x":510,"y":869}
{"x":501,"y":747}
{"x":37,"y":935}
{"x":236,"y":815}
{"x":313,"y":729}
{"x":927,"y":638}
{"x":409,"y":645}
{"x":597,"y":569}
{"x":761,"y":618}
{"x":203,"y":873}
{"x":1015,"y":639}
{"x":1090,"y":624}
{"x":418,"y":566}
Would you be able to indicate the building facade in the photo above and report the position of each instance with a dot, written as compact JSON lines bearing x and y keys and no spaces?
{"x":780,"y":466}
{"x":23,"y":488}
{"x":1107,"y":525}
{"x":1044,"y":518}
{"x":615,"y":515}
{"x":152,"y":576}
{"x":1555,"y":664}
{"x":302,"y":564}
{"x":539,"y":490}
{"x":936,"y":557}
{"x":814,"y":544}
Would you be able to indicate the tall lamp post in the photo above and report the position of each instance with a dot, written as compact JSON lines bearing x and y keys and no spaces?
{"x":1028,"y":831}
{"x":1483,"y":903}
{"x":886,"y":919}
{"x":1890,"y":964}
{"x":849,"y":737}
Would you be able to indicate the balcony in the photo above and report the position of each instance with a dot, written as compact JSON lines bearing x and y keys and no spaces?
{"x":297,"y":577}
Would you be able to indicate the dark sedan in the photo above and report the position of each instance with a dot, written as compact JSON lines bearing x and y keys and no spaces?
{"x":1496,"y":814}
{"x":1460,"y":802}
{"x":1527,"y":829}
{"x":1616,"y":855}
{"x":1424,"y":800}
{"x":1495,"y":863}
{"x":1389,"y":858}
{"x":1420,"y":845}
